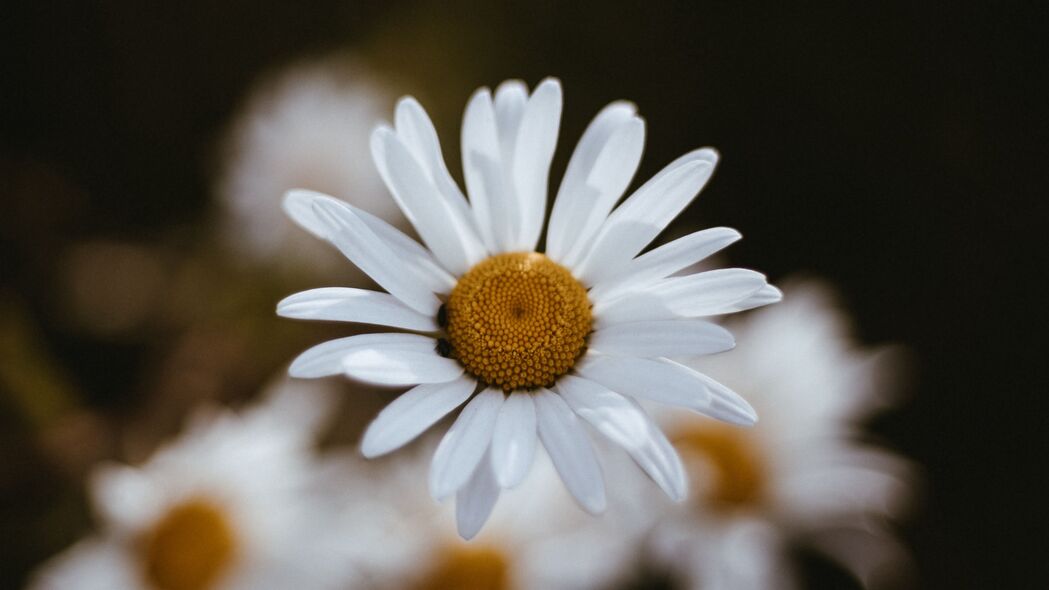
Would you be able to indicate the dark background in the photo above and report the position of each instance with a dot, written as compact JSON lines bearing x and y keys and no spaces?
{"x":888,"y":148}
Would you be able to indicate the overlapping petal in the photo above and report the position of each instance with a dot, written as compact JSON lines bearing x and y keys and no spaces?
{"x":464,"y":444}
{"x":570,"y":450}
{"x":383,"y":359}
{"x":624,"y":422}
{"x":514,"y":440}
{"x":713,"y":292}
{"x":412,"y":413}
{"x":344,"y":304}
{"x":475,"y":501}
{"x":646,"y":213}
{"x":598,"y":174}
{"x":667,"y":382}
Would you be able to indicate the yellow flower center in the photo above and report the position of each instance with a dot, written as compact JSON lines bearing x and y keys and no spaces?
{"x":468,"y":568}
{"x":518,"y":320}
{"x":738,"y":476}
{"x":189,"y":548}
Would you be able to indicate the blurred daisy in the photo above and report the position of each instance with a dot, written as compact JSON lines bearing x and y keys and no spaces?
{"x":535,"y":341}
{"x":304,"y":127}
{"x":418,"y":548}
{"x":237,"y":502}
{"x":803,"y":473}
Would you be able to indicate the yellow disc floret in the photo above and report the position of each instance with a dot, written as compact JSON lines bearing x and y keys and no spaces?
{"x":518,"y":320}
{"x":738,"y":474}
{"x":189,"y":548}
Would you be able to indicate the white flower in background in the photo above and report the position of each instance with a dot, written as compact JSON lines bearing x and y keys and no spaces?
{"x":303,"y":127}
{"x":238,"y":502}
{"x":538,"y":538}
{"x":803,"y":474}
{"x":532,"y":341}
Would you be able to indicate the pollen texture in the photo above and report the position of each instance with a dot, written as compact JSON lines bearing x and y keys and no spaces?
{"x":518,"y":320}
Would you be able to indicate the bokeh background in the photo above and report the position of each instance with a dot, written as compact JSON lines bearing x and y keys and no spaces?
{"x":885,"y":147}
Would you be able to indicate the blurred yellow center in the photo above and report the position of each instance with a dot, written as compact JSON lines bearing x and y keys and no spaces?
{"x":737,"y":470}
{"x":189,"y":548}
{"x":518,"y":320}
{"x":468,"y":568}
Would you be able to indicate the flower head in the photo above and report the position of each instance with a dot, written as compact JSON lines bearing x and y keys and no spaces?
{"x":533,"y":342}
{"x":804,"y":474}
{"x":237,"y":502}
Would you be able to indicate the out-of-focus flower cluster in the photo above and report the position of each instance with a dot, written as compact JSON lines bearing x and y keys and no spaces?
{"x":274,"y":495}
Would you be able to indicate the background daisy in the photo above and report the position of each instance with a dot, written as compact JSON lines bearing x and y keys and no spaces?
{"x":806,"y":473}
{"x":238,"y":501}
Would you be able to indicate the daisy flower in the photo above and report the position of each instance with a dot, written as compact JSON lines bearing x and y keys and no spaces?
{"x":305,"y":126}
{"x":535,"y":343}
{"x":803,"y":474}
{"x":237,"y":502}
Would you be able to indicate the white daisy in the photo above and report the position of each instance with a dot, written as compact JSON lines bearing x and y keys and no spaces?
{"x":532,"y":342}
{"x":238,"y":502}
{"x":304,"y":126}
{"x":803,"y":474}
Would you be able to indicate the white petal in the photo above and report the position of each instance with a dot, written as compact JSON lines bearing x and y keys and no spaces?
{"x":665,"y":261}
{"x":101,"y":562}
{"x":872,"y":554}
{"x":388,"y":359}
{"x":298,"y":204}
{"x":767,"y":295}
{"x":123,"y":497}
{"x":398,"y":359}
{"x":322,"y":360}
{"x":657,"y":338}
{"x":570,"y":450}
{"x":514,"y":440}
{"x":669,"y":383}
{"x":352,"y":236}
{"x":486,"y":181}
{"x":415,"y":129}
{"x":448,"y":235}
{"x":601,"y":168}
{"x":354,"y":305}
{"x":412,"y":413}
{"x":464,"y":444}
{"x":474,"y":502}
{"x":510,"y":100}
{"x":533,"y":152}
{"x":702,"y":294}
{"x":624,"y":422}
{"x":726,"y":405}
{"x":645,"y":214}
